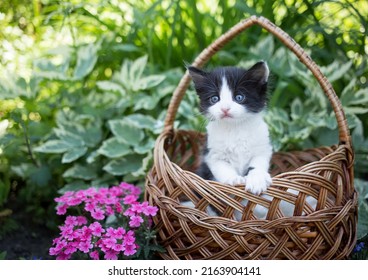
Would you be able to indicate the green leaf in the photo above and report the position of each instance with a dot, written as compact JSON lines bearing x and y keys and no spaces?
{"x":74,"y":186}
{"x":335,"y":71}
{"x":80,"y":172}
{"x":92,"y":135}
{"x":360,"y":97}
{"x":137,"y":68}
{"x":74,"y":154}
{"x":22,"y":170}
{"x":331,"y":122}
{"x":142,"y":121}
{"x":145,"y":102}
{"x":11,"y":87}
{"x":126,"y":165}
{"x":114,"y":148}
{"x":355,"y":110}
{"x":316,"y":120}
{"x":277,"y":127}
{"x":47,"y":70}
{"x":86,"y":60}
{"x":144,"y":148}
{"x":106,"y":181}
{"x":362,"y":189}
{"x":91,"y":158}
{"x":126,"y":131}
{"x":148,"y":82}
{"x":41,"y":176}
{"x":296,"y":108}
{"x":326,"y":137}
{"x":111,"y":86}
{"x":69,"y":138}
{"x":347,"y":93}
{"x":300,"y":133}
{"x":145,"y":162}
{"x":126,"y":48}
{"x":3,"y":126}
{"x":264,"y":48}
{"x":53,"y":146}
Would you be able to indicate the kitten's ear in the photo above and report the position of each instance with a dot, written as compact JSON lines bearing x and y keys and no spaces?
{"x":259,"y":72}
{"x":197,"y":74}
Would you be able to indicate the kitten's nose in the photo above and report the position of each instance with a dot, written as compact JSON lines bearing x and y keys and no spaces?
{"x":225,"y":110}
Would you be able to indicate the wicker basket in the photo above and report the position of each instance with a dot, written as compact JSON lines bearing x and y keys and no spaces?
{"x":326,"y":230}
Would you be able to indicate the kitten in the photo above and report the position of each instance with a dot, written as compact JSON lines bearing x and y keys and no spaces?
{"x":238,"y":149}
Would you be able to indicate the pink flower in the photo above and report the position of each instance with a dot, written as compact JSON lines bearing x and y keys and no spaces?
{"x":66,"y":231}
{"x":109,"y":242}
{"x":135,"y":221}
{"x":129,"y":212}
{"x":90,"y":191}
{"x":109,"y":211}
{"x":130,"y":250}
{"x":53,"y":251}
{"x":110,"y":232}
{"x":80,"y":233}
{"x":56,"y":240}
{"x":116,"y":191}
{"x":150,"y":211}
{"x":129,"y":238}
{"x":85,"y":233}
{"x":119,"y":232}
{"x":97,"y":229}
{"x":118,"y":247}
{"x":74,"y":201}
{"x":94,"y":255}
{"x":90,"y":206}
{"x":130,"y":199}
{"x":61,"y":209}
{"x":81,"y":220}
{"x":85,"y":246}
{"x":118,"y":207}
{"x":98,"y":214}
{"x":63,"y":256}
{"x":71,"y":220}
{"x":61,"y":245}
{"x":111,"y":255}
{"x":64,"y":197}
{"x":70,"y":250}
{"x":137,"y":208}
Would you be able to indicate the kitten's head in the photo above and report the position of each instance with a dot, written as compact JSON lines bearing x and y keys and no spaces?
{"x":230,"y":93}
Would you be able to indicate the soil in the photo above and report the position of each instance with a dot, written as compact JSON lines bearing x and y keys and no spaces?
{"x":28,"y":241}
{"x":22,"y":236}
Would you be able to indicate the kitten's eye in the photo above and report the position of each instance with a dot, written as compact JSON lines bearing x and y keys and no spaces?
{"x":239,"y":97}
{"x":214,"y":99}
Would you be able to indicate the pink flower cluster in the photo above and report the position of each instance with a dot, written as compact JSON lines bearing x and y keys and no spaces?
{"x":79,"y":234}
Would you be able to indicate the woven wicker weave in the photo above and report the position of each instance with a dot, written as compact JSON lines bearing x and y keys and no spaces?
{"x":325,"y":230}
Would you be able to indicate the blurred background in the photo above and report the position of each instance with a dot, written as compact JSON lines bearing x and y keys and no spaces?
{"x":85,"y":85}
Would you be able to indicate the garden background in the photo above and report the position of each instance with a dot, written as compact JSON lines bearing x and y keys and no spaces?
{"x":84,"y":88}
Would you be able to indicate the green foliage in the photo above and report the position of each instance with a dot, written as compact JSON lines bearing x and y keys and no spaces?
{"x":84,"y":86}
{"x":3,"y":255}
{"x":362,"y":188}
{"x":7,"y":225}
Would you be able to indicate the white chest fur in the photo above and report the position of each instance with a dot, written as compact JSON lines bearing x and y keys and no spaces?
{"x":237,"y":143}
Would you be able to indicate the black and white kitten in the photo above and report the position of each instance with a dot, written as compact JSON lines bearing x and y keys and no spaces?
{"x":238,"y":148}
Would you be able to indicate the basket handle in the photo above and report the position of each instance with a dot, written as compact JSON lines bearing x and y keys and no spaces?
{"x":206,"y":54}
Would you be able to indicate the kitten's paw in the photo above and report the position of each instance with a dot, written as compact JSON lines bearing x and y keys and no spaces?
{"x":236,"y":180}
{"x":258,"y":181}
